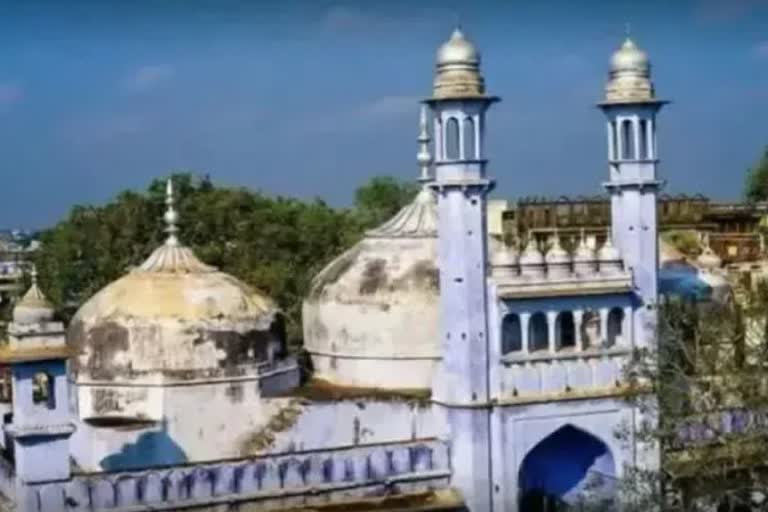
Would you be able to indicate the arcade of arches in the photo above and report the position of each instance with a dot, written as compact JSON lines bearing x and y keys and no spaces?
{"x":564,"y":330}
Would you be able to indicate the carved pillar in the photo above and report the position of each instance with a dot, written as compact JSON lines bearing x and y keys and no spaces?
{"x":551,"y":342}
{"x":626,"y":329}
{"x":525,"y":320}
{"x":578,"y":318}
{"x":604,"y":326}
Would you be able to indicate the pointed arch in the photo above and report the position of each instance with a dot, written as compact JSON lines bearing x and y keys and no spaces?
{"x":565,"y":331}
{"x":558,"y":470}
{"x":511,"y":334}
{"x":615,"y":326}
{"x":628,"y":140}
{"x":538,"y":332}
{"x":469,"y":139}
{"x":452,"y":139}
{"x":644,"y":149}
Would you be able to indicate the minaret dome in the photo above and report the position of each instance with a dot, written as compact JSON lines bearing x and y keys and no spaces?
{"x":629,"y":76}
{"x":458,"y":69}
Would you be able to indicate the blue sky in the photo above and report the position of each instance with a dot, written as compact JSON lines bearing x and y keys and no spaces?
{"x":311,"y":98}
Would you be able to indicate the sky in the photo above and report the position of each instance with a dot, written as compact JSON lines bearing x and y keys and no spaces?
{"x":312,"y":98}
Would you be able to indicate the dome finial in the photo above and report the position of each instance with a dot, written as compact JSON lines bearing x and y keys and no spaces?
{"x":424,"y":158}
{"x":33,"y":274}
{"x":170,"y":217}
{"x":627,"y":30}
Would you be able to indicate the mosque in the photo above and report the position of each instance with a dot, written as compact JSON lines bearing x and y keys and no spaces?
{"x":450,"y":371}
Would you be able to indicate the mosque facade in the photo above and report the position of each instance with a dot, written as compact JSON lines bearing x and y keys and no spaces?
{"x":450,"y":371}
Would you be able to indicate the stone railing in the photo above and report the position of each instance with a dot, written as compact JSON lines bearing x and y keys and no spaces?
{"x":286,"y":480}
{"x":545,"y":374}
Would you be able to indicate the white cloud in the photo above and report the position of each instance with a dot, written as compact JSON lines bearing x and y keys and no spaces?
{"x":148,"y":77}
{"x":388,"y":107}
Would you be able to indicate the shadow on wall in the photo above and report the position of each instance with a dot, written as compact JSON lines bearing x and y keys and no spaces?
{"x":562,"y":469}
{"x":150,"y":449}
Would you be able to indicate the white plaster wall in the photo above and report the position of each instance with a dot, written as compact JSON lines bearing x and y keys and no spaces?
{"x":205,"y":422}
{"x":345,"y":423}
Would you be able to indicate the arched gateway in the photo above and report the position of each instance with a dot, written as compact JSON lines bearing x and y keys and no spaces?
{"x":569,"y":467}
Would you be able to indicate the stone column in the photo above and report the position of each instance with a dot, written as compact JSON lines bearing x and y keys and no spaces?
{"x":611,"y":142}
{"x":578,"y":318}
{"x":619,"y":138}
{"x":636,"y":135}
{"x":649,"y":139}
{"x":525,"y":320}
{"x":603,"y":327}
{"x":551,"y":342}
{"x":627,"y":332}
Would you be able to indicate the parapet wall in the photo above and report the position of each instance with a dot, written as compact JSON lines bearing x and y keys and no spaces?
{"x":285,"y":480}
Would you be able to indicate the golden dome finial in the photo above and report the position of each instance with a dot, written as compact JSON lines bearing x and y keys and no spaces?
{"x":630,"y":74}
{"x":458,"y":68}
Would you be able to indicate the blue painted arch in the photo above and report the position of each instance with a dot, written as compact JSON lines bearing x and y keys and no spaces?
{"x":566,"y":467}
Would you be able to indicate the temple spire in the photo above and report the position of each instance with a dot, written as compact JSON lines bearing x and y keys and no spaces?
{"x":171,"y":217}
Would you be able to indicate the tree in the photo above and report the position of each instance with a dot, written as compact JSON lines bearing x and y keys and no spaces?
{"x":709,"y":388}
{"x":756,"y":188}
{"x":381,"y":198}
{"x":275,"y":244}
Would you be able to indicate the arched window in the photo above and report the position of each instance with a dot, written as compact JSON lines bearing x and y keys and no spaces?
{"x":615,"y":326}
{"x":469,"y":139}
{"x":590,"y":329}
{"x":644,"y":153}
{"x":42,"y":390}
{"x":614,"y":141}
{"x":538,"y":334}
{"x":565,"y":332}
{"x":511,"y":334}
{"x":627,"y":140}
{"x":452,"y":139}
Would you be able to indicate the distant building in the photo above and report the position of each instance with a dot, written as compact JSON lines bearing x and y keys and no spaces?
{"x":734,"y":228}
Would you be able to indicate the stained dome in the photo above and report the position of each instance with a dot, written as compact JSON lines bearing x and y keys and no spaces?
{"x":33,"y":307}
{"x":371,"y":317}
{"x":629,"y":77}
{"x":172,"y":317}
{"x":458,"y":69}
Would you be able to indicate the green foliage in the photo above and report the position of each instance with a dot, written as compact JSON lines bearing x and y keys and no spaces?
{"x":687,"y":242}
{"x":275,"y":244}
{"x":708,"y":367}
{"x":381,"y":198}
{"x":756,"y":187}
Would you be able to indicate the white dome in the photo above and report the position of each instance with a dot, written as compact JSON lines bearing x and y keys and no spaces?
{"x":531,"y":254}
{"x":371,"y":317}
{"x":630,"y":58}
{"x":458,"y":69}
{"x":33,"y":307}
{"x":458,"y":51}
{"x":557,"y":255}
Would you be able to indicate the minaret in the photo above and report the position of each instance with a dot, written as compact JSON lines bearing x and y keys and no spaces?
{"x":41,"y":426}
{"x":630,"y":106}
{"x":461,"y":385}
